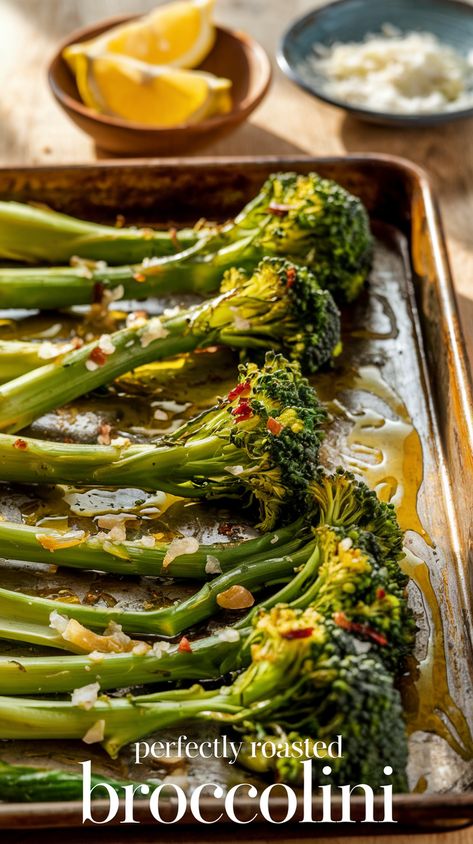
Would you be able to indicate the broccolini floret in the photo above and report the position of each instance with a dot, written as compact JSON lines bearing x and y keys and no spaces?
{"x":358,"y":591}
{"x":342,"y":501}
{"x":315,"y":222}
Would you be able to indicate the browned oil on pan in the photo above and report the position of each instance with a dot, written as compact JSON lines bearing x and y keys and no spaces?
{"x":406,"y":342}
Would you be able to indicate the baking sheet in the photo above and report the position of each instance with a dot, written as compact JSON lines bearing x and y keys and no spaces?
{"x":394,"y":420}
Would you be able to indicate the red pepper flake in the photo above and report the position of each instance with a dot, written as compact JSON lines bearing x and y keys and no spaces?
{"x":291,"y":276}
{"x":139,"y":277}
{"x":104,"y":434}
{"x":278,"y":209}
{"x":226,"y":529}
{"x":341,"y":620}
{"x":380,"y":594}
{"x":274,"y":427}
{"x":243,"y":389}
{"x":302,"y":633}
{"x":21,"y":444}
{"x":97,"y":292}
{"x":98,"y":356}
{"x":374,"y":635}
{"x":242,"y":411}
{"x":184,"y":646}
{"x":173,"y":238}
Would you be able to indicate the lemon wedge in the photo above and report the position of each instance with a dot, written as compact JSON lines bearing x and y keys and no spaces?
{"x":180,"y":34}
{"x":147,"y":94}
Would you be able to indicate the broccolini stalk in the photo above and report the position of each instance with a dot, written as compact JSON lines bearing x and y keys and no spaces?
{"x":341,"y":579}
{"x":338,"y":500}
{"x":280,"y":307}
{"x":262,"y":440}
{"x":28,"y":784}
{"x":310,"y":220}
{"x":20,"y":356}
{"x":31,"y":633}
{"x":42,"y":236}
{"x":299,"y":663}
{"x":86,"y":282}
{"x":76,"y":549}
{"x":176,"y":377}
{"x":207,"y":658}
{"x":168,"y":621}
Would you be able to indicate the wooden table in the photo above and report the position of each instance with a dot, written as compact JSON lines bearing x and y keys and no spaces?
{"x":35,"y":131}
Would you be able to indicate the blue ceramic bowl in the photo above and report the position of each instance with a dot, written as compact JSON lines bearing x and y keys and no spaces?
{"x":351,"y":20}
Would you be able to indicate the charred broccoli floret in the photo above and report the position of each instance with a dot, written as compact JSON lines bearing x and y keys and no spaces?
{"x":315,"y":222}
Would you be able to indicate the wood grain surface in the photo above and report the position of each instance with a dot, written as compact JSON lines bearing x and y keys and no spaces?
{"x":35,"y":131}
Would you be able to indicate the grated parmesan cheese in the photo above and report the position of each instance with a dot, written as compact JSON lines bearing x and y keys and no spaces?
{"x":391,"y":72}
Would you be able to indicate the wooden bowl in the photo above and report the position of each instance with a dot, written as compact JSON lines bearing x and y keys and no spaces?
{"x":234,"y":55}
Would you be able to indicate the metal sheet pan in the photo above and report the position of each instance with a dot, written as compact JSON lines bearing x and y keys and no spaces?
{"x":402,"y":405}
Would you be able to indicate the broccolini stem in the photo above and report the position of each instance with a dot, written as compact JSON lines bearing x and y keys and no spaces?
{"x":169,"y":621}
{"x":24,"y":399}
{"x":18,"y":630}
{"x":63,"y":287}
{"x":27,"y":460}
{"x":20,"y":356}
{"x":27,"y":784}
{"x":210,"y":657}
{"x":37,"y":235}
{"x":23,"y":542}
{"x":124,"y":719}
